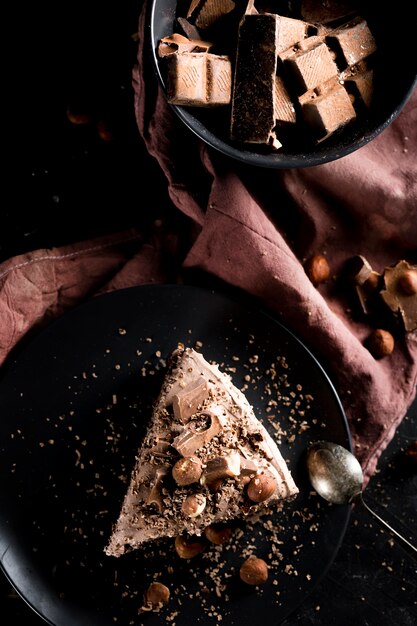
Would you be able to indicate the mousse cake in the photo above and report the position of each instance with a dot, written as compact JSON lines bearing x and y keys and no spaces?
{"x":205,"y":459}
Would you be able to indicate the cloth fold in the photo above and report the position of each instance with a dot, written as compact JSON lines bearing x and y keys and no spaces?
{"x":253,"y":229}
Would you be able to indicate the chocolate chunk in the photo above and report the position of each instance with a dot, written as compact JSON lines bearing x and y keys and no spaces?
{"x":366,"y":282}
{"x":221,"y":467}
{"x":352,"y":41}
{"x":290,"y":32}
{"x":326,"y":108}
{"x":155,"y":493}
{"x":284,"y":110}
{"x":359,"y":83}
{"x":199,"y":431}
{"x":186,"y":402}
{"x":176,"y":43}
{"x":198,"y":79}
{"x":248,"y":467}
{"x":309,"y":64}
{"x":400,"y":293}
{"x":205,"y":13}
{"x":189,"y":29}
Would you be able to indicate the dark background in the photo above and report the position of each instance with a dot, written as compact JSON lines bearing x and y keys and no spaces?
{"x":69,"y":182}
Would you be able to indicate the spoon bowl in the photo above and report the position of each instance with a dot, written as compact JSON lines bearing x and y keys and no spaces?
{"x":336,"y":475}
{"x":334,"y":472}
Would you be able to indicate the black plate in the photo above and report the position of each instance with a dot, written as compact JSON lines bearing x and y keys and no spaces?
{"x":74,"y":403}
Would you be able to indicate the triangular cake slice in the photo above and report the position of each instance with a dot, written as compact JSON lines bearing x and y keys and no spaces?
{"x":205,"y":459}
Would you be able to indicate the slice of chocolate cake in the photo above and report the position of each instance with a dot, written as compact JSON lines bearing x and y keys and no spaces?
{"x":205,"y":459}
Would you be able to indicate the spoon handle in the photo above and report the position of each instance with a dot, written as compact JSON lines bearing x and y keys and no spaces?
{"x":412,"y":550}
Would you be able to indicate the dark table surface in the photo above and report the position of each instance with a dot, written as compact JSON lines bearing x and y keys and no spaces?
{"x":74,"y":181}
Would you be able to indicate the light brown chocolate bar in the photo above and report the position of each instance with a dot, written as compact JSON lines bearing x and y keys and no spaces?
{"x":352,"y":41}
{"x":253,"y":115}
{"x":326,"y":108}
{"x":199,"y":79}
{"x":284,"y":109}
{"x":359,"y":83}
{"x":309,"y":64}
{"x":205,"y":13}
{"x":290,"y":31}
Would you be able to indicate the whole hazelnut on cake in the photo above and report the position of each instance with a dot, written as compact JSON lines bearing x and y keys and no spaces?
{"x":261,"y":487}
{"x":187,"y":470}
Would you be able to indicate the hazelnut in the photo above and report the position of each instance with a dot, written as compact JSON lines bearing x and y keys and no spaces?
{"x":254,"y":571}
{"x":103,"y":131}
{"x":380,"y":343}
{"x":156,"y":595}
{"x":188,"y":547}
{"x":261,"y":487}
{"x":77,"y":117}
{"x":408,"y":282}
{"x":218,"y":534}
{"x":411,"y":453}
{"x":317,"y":269}
{"x":187,"y":470}
{"x":194,"y":505}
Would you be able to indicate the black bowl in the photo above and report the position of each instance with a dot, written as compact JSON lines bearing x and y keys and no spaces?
{"x":395,"y":76}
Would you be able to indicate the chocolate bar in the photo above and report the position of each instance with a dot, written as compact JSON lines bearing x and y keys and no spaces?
{"x":284,"y":109}
{"x":198,"y":79}
{"x":205,"y":13}
{"x":309,"y":64}
{"x":326,"y":108}
{"x":290,"y":31}
{"x":352,"y":42}
{"x":253,"y":116}
{"x":359,"y":83}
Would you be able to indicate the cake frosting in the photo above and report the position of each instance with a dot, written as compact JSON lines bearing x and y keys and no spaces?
{"x":205,"y":459}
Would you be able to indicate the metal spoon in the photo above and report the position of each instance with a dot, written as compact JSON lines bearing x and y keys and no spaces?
{"x":337,"y":476}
